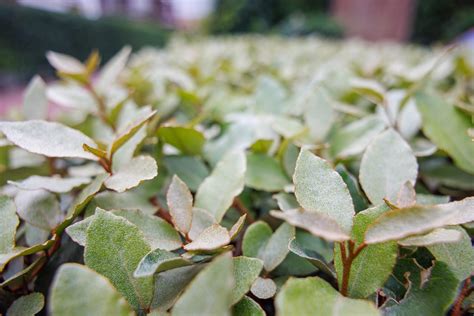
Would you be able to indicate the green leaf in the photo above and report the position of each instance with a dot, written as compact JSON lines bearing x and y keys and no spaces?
{"x":447,"y":127}
{"x":286,"y":201}
{"x":312,"y":256}
{"x":387,"y":164}
{"x":131,"y":129}
{"x":356,"y":194}
{"x":319,"y":114}
{"x":246,"y":271}
{"x":217,"y":192}
{"x":78,"y":231}
{"x":202,"y":219}
{"x":8,"y":224}
{"x":190,"y":169}
{"x":370,"y":89}
{"x":64,"y":63}
{"x":352,"y":139}
{"x":39,"y":208}
{"x":263,"y":288}
{"x":139,"y":169}
{"x":237,"y":227}
{"x":217,"y":297}
{"x":318,"y":188}
{"x":459,"y":256}
{"x":52,"y":184}
{"x":28,"y":305}
{"x":187,"y":140}
{"x":314,"y":296}
{"x":114,"y":247}
{"x":77,"y":290}
{"x":436,"y":236}
{"x":180,"y":204}
{"x":211,"y":238}
{"x":316,"y":223}
{"x":430,"y":292}
{"x":401,"y":223}
{"x":35,"y":103}
{"x":157,"y":261}
{"x":247,"y":307}
{"x":264,"y":173}
{"x":255,"y":238}
{"x":109,"y":73}
{"x":373,"y":266}
{"x":48,"y":139}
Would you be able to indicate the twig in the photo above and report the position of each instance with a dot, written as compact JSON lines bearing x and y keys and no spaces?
{"x":243,"y":210}
{"x":457,"y":309}
{"x":347,"y":262}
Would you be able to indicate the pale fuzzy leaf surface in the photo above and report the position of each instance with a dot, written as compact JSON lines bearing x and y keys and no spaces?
{"x":316,"y":223}
{"x":27,"y":305}
{"x":86,"y":195}
{"x":8,"y":224}
{"x":35,"y":102}
{"x":387,"y":164}
{"x":211,"y":238}
{"x":373,"y":265}
{"x":78,"y":231}
{"x":447,"y":127}
{"x":276,"y":248}
{"x":436,"y":236}
{"x":401,"y":223}
{"x":217,"y":192}
{"x":352,"y":139}
{"x":313,"y":296}
{"x":237,"y":227}
{"x":139,"y":169}
{"x":53,"y":184}
{"x":39,"y":208}
{"x":286,"y":201}
{"x":110,"y":72}
{"x":246,"y":270}
{"x":311,"y":253}
{"x":35,"y":235}
{"x":216,"y":299}
{"x":202,"y":219}
{"x":247,"y":307}
{"x":114,"y":247}
{"x":187,"y":140}
{"x":459,"y":256}
{"x":48,"y":138}
{"x":180,"y":204}
{"x":406,"y":196}
{"x":157,"y":261}
{"x":319,"y":114}
{"x":318,"y":188}
{"x":64,"y":63}
{"x":265,"y":173}
{"x":263,"y":288}
{"x":371,"y":89}
{"x":78,"y":290}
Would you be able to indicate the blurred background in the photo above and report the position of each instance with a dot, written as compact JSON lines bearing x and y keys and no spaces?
{"x":29,"y":28}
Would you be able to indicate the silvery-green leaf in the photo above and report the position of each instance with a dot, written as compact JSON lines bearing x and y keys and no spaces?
{"x":187,"y":140}
{"x":459,"y":256}
{"x":157,"y":261}
{"x":428,"y":199}
{"x":125,"y":153}
{"x":246,"y":270}
{"x":114,"y":247}
{"x":255,"y":238}
{"x":109,"y":73}
{"x":372,"y":267}
{"x":139,"y":169}
{"x":443,"y":173}
{"x":8,"y":224}
{"x":319,"y":114}
{"x":371,"y":89}
{"x":78,"y":231}
{"x":263,"y":288}
{"x":64,"y":63}
{"x":48,"y":139}
{"x":78,"y":290}
{"x":202,"y":219}
{"x":52,"y":184}
{"x":406,"y":196}
{"x":315,"y":297}
{"x":180,"y":204}
{"x":357,"y":196}
{"x":72,"y":96}
{"x":316,"y":223}
{"x":35,"y":103}
{"x":35,"y":235}
{"x":211,"y":238}
{"x":128,"y":200}
{"x":447,"y":127}
{"x":312,"y":256}
{"x":318,"y":188}
{"x":286,"y":201}
{"x":387,"y":164}
{"x":276,"y":248}
{"x":38,"y":208}
{"x":217,"y":297}
{"x":352,"y":139}
{"x":422,"y":147}
{"x":190,"y":169}
{"x":246,"y":307}
{"x":131,"y":129}
{"x":401,"y":223}
{"x":237,"y":227}
{"x":28,"y":305}
{"x":437,"y":236}
{"x":270,"y":95}
{"x":264,"y":173}
{"x":217,"y":192}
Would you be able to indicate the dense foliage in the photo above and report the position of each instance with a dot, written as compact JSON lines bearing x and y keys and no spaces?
{"x":242,"y":176}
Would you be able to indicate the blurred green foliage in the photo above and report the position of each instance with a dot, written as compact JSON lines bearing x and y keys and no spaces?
{"x":26,"y":34}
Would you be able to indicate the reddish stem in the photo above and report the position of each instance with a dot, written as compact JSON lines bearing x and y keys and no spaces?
{"x":347,"y":262}
{"x":457,"y":309}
